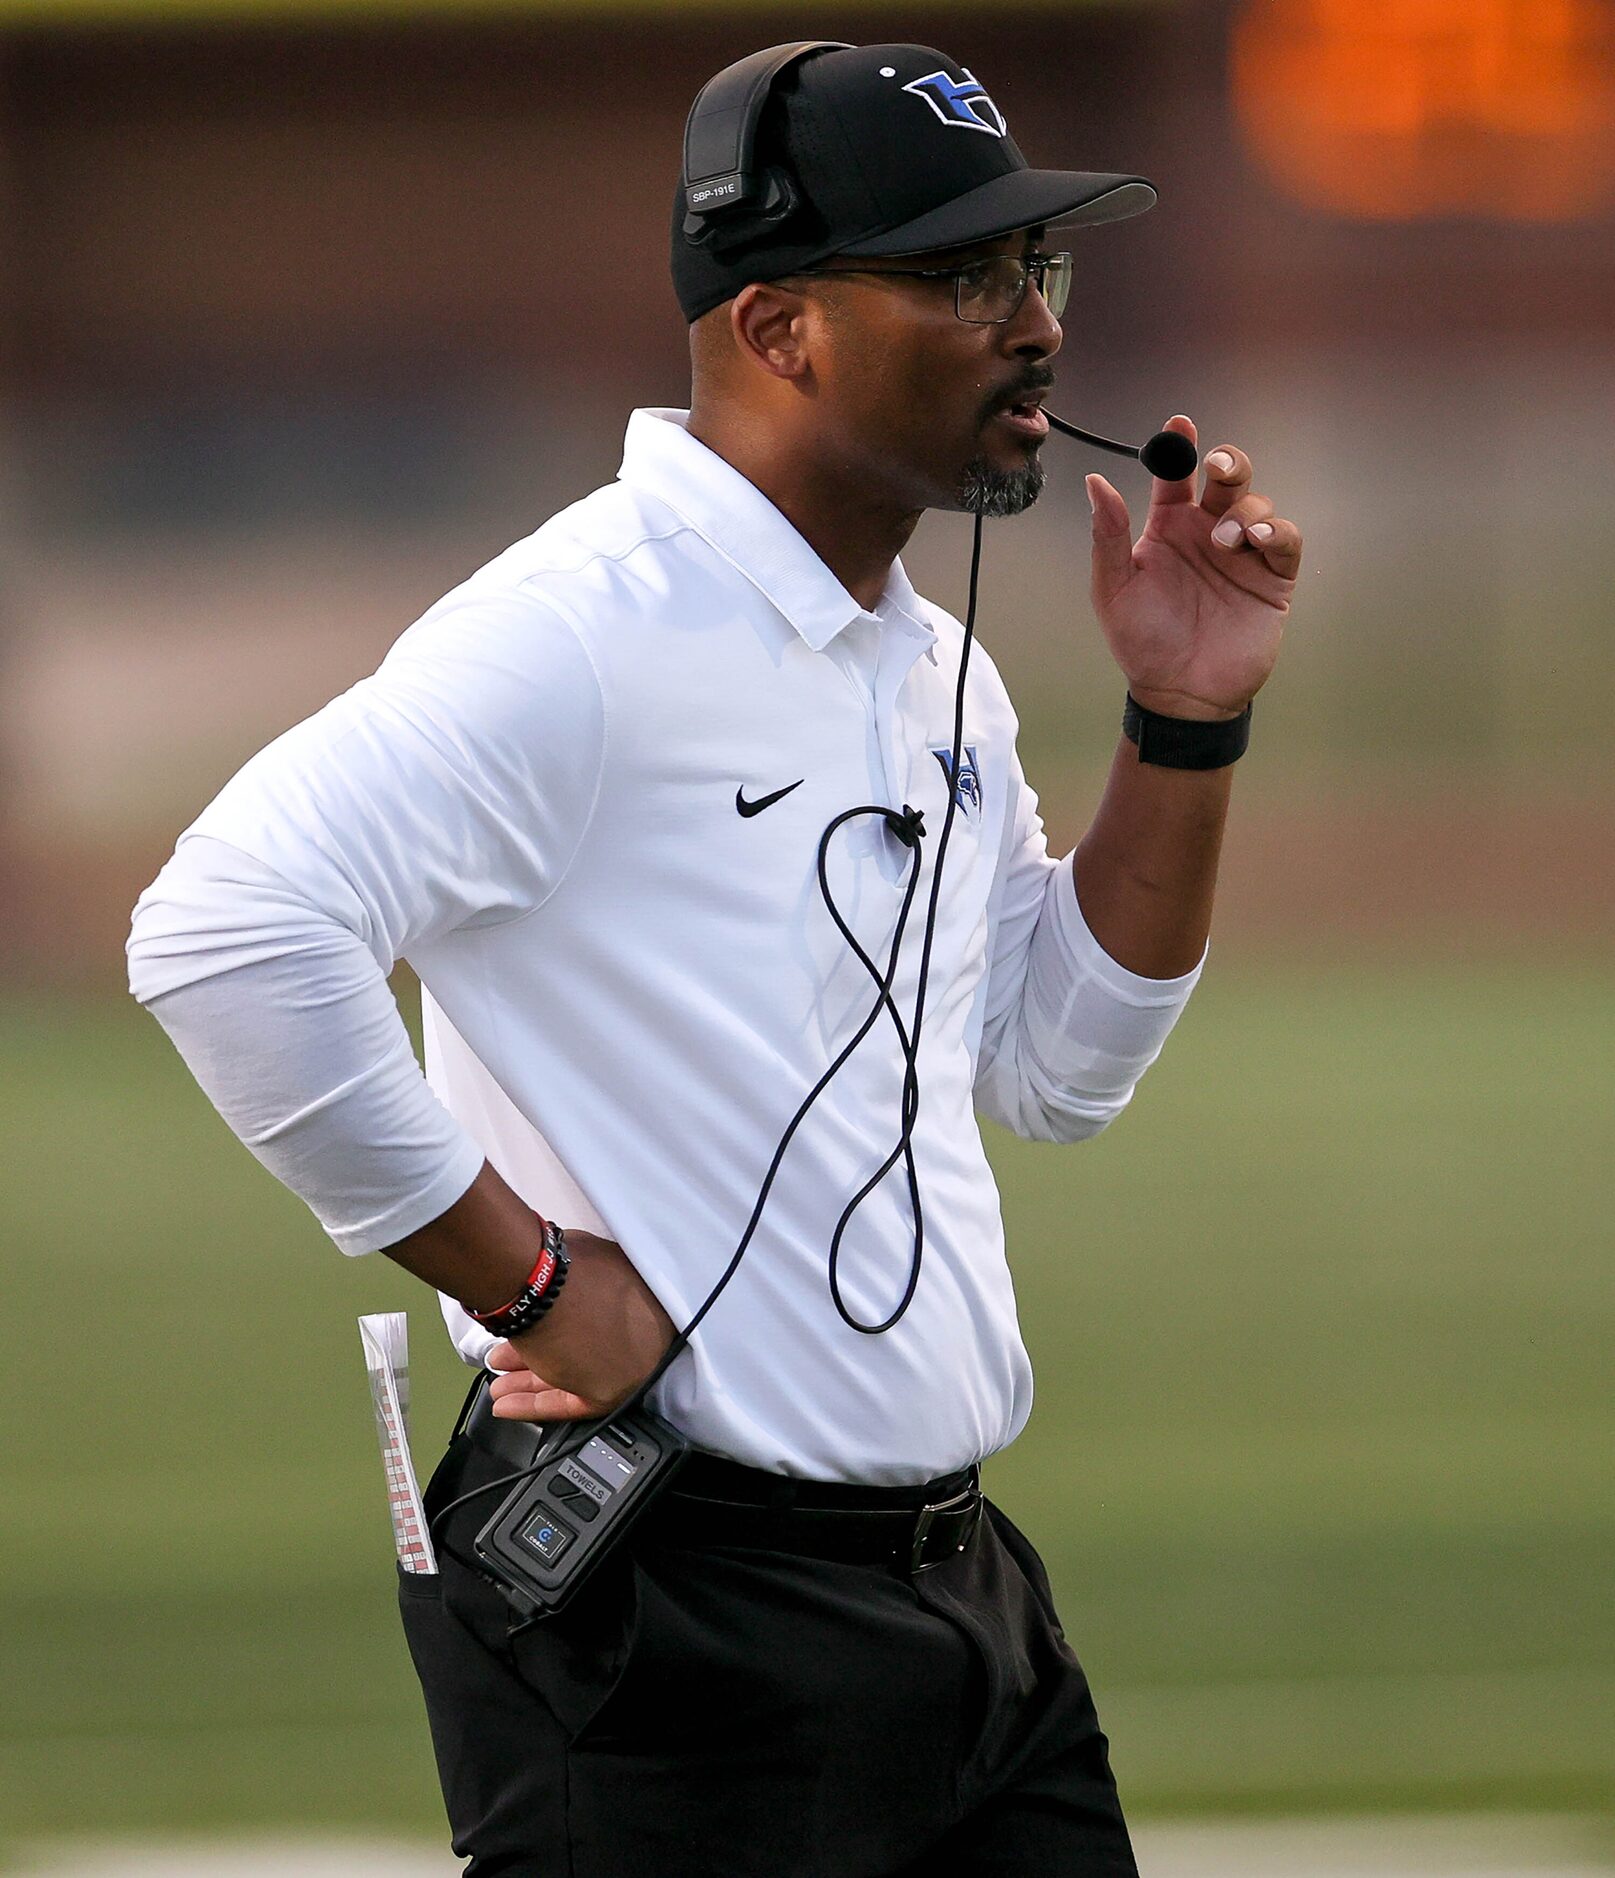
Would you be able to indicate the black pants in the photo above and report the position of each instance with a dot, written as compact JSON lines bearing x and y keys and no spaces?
{"x":730,"y":1713}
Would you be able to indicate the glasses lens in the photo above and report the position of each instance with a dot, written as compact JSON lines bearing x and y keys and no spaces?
{"x":1056,"y":282}
{"x":991,"y":291}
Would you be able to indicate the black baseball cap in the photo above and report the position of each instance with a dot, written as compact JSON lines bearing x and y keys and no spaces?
{"x":890,"y":150}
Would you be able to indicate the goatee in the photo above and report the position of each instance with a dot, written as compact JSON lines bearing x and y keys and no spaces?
{"x":988,"y":491}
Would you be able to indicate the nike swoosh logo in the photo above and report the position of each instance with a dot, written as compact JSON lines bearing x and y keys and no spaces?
{"x":764,"y":802}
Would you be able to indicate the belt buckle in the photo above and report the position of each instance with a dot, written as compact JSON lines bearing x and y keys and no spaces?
{"x":966,"y":1497}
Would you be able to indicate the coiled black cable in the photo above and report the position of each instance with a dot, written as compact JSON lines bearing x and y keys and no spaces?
{"x":909,"y":828}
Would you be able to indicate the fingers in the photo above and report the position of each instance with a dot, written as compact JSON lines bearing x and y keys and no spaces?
{"x":543,"y":1405}
{"x":503,"y":1356}
{"x":1163,"y":494}
{"x":1282,"y":549}
{"x":1112,"y":538}
{"x":1228,"y":477}
{"x":1245,"y":518}
{"x":520,"y":1396}
{"x":1251,"y":524}
{"x":1230,"y":531}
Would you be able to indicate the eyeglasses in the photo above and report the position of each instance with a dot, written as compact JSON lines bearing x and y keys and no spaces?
{"x":985,"y":293}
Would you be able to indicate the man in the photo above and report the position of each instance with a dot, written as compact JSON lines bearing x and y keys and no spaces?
{"x":588,"y":795}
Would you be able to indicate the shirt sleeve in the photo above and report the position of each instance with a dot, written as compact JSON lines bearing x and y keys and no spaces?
{"x":1066,"y":1031}
{"x":449,"y":790}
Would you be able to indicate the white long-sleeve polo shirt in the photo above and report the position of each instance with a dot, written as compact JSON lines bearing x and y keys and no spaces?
{"x":628,"y":984}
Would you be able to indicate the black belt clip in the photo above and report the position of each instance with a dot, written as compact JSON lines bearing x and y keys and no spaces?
{"x":943,"y":1531}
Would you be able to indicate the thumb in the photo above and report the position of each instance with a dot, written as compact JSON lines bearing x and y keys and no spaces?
{"x":1112,"y":537}
{"x":502,"y":1356}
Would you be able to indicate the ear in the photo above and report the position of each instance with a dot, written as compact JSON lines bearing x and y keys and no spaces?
{"x":771,"y":326}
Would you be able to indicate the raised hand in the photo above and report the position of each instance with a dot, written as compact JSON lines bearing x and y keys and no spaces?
{"x":1194,"y":610}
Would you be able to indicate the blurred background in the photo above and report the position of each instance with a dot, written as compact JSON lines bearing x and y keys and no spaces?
{"x":306,"y":311}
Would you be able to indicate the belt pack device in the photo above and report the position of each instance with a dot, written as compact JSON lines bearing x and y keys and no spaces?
{"x":549,"y":1534}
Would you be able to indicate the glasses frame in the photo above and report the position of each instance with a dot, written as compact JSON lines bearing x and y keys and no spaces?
{"x":1034,"y":271}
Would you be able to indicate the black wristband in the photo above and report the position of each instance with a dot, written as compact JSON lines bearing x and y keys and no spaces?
{"x":1185,"y":742}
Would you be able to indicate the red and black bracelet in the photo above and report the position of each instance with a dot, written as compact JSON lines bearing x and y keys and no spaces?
{"x":543,"y":1285}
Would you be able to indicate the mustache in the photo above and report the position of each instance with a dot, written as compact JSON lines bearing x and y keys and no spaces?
{"x":1034,"y":381}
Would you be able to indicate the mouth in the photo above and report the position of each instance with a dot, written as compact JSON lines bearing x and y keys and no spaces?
{"x":1026,"y":420}
{"x":1023,"y":413}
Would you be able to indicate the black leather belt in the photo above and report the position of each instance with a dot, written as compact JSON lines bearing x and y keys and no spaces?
{"x":718,"y":1502}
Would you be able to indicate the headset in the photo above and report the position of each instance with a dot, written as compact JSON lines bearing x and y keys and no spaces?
{"x":729,"y":201}
{"x":720,"y":144}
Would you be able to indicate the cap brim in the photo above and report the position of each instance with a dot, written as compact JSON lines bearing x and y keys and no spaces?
{"x":1022,"y":199}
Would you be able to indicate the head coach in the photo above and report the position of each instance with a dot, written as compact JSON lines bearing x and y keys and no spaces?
{"x":644,"y":802}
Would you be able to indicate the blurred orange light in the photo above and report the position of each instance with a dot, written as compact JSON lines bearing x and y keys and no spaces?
{"x":1393,"y":110}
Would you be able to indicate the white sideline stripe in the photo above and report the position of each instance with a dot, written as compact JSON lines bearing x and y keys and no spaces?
{"x":1475,"y":1846}
{"x":1478,"y":1846}
{"x":241,"y":1858}
{"x":245,"y":1858}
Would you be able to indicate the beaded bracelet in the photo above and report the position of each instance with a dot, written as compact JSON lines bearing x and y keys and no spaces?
{"x":543,"y":1285}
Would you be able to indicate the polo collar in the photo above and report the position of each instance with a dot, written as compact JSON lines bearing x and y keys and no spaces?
{"x":663,"y":459}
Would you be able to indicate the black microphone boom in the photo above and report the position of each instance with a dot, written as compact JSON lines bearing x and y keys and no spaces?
{"x":1168,"y":454}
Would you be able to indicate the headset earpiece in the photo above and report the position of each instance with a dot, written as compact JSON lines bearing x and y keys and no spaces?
{"x":778,"y":200}
{"x":720,"y":143}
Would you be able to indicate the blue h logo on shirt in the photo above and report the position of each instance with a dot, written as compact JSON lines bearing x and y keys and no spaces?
{"x":967,"y":784}
{"x":960,"y":105}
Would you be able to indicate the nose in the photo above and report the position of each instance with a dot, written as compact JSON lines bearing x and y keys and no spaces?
{"x":1033,"y":332}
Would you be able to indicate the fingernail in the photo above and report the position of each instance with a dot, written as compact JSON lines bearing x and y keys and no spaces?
{"x":1219,"y":460}
{"x":1259,"y":531}
{"x":1227,"y":531}
{"x":1092,"y":504}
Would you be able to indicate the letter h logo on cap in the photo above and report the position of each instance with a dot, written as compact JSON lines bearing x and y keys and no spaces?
{"x":963,"y":106}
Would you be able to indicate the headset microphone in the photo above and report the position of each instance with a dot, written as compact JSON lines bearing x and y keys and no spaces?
{"x":1168,"y":454}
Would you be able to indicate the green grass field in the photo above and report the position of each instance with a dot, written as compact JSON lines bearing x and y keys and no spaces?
{"x":1320,"y":1460}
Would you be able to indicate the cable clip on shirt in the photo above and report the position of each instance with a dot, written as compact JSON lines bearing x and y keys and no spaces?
{"x":908,"y":827}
